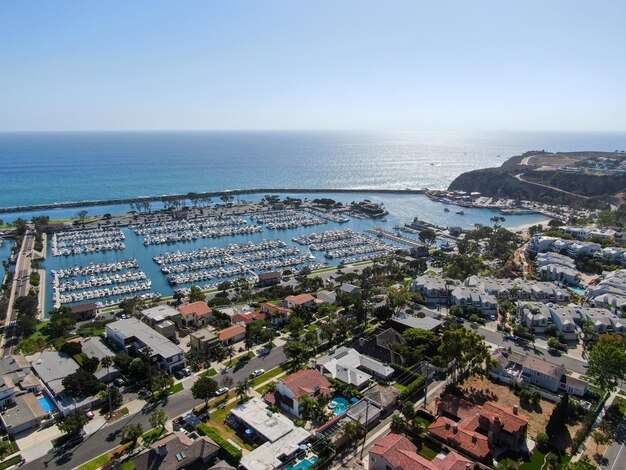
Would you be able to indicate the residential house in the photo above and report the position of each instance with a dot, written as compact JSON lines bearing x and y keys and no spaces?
{"x":396,"y":452}
{"x":534,"y":315}
{"x":95,"y":347}
{"x":154,"y":315}
{"x":291,"y":389}
{"x":195,"y":314}
{"x":353,"y":368}
{"x":177,"y":451}
{"x":349,"y":289}
{"x":384,"y":397}
{"x":433,"y":289}
{"x":564,"y":320}
{"x":472,"y":298}
{"x":133,"y":335}
{"x":276,"y":315}
{"x":16,"y":377}
{"x":281,"y":438}
{"x":232,"y":334}
{"x":26,"y":413}
{"x":244,"y":319}
{"x":301,"y":300}
{"x":404,"y":321}
{"x":380,"y":346}
{"x":203,"y":341}
{"x":477,"y":430}
{"x":559,"y":273}
{"x":542,"y":373}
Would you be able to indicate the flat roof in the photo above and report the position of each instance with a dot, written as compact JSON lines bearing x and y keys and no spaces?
{"x":256,"y":415}
{"x":268,"y":456}
{"x":25,"y":410}
{"x":160,"y":312}
{"x":52,"y":367}
{"x":411,"y":321}
{"x":131,"y":327}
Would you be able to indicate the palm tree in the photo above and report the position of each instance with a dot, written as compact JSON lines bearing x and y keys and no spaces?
{"x":243,"y":387}
{"x":107,"y":362}
{"x":230,"y":352}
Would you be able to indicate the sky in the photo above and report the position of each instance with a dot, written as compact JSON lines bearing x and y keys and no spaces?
{"x":557,"y":65}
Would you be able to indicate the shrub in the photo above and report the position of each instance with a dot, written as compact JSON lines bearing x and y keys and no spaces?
{"x":232,"y":452}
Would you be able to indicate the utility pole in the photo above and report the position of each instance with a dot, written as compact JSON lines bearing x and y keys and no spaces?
{"x":367,"y":409}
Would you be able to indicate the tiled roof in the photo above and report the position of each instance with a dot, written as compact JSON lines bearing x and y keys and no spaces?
{"x":231,"y":332}
{"x":248,"y":317}
{"x":306,"y":381}
{"x":300,"y":299}
{"x":471,"y":442}
{"x":174,"y":452}
{"x":199,"y":308}
{"x":275,"y":309}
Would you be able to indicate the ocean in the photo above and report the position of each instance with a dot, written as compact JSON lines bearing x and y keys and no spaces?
{"x":40,"y":168}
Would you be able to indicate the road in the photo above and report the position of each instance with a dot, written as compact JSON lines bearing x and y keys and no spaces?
{"x":108,"y":437}
{"x":519,"y":177}
{"x":19,"y":288}
{"x":615,"y":455}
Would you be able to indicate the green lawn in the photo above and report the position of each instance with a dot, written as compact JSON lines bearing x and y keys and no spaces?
{"x":265,"y":377}
{"x":208,"y":373}
{"x":7,"y":448}
{"x":95,"y":463}
{"x":537,"y":461}
{"x":175,"y":389}
{"x":11,"y":462}
{"x":128,"y":465}
{"x":427,"y":452}
{"x":153,"y":434}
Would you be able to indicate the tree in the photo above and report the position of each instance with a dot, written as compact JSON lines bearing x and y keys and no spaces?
{"x":82,"y":214}
{"x":311,"y":340}
{"x":542,"y":440}
{"x":243,"y":388}
{"x":607,"y":218}
{"x":131,"y":433}
{"x":161,"y":383}
{"x":295,"y":325}
{"x":496,"y":221}
{"x":138,"y":369}
{"x":554,"y":343}
{"x":607,"y":362}
{"x":230,"y":352}
{"x":195,"y":294}
{"x":158,"y":418}
{"x":397,"y":299}
{"x":327,"y":332}
{"x":114,"y":399}
{"x":297,"y":352}
{"x":204,"y":389}
{"x":398,"y":425}
{"x":466,"y":352}
{"x":228,"y":381}
{"x":81,"y":384}
{"x":73,"y":423}
{"x":428,"y":237}
{"x":600,"y":439}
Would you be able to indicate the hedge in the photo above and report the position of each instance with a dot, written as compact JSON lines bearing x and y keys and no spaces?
{"x":233,"y":453}
{"x":416,"y":380}
{"x":413,"y":387}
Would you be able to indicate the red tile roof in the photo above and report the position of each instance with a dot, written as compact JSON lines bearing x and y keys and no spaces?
{"x":401,"y":453}
{"x":275,"y":309}
{"x":470,"y":441}
{"x":248,"y":317}
{"x":231,"y":332}
{"x":300,"y":299}
{"x":306,"y":381}
{"x":199,"y":308}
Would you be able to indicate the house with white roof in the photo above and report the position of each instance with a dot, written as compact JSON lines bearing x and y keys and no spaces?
{"x":353,"y":368}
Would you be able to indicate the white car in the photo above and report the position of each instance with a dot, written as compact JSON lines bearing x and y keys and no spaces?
{"x":221,"y":391}
{"x":259,"y":372}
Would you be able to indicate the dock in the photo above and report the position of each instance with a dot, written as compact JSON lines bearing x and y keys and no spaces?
{"x":394,"y":237}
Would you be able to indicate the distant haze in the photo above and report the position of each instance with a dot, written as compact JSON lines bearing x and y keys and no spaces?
{"x":557,"y":65}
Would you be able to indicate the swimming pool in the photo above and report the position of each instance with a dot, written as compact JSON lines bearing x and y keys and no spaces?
{"x":339,"y":405}
{"x":579,"y":291}
{"x":46,"y":404}
{"x":304,"y":464}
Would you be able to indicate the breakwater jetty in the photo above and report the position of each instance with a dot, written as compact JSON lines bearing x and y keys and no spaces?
{"x":234,"y":192}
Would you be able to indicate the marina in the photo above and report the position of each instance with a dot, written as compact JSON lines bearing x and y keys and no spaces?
{"x":204,"y":248}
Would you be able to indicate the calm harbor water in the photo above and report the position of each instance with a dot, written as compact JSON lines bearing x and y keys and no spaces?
{"x":402,"y":209}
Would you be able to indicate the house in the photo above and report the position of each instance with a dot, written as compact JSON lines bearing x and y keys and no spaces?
{"x":232,"y":334}
{"x":277,"y":315}
{"x":160,"y":313}
{"x":280,"y":436}
{"x":472,"y":298}
{"x":291,"y":389}
{"x":95,"y":347}
{"x":396,"y":452}
{"x":542,"y":373}
{"x":195,"y":314}
{"x":353,"y":368}
{"x":404,"y":321}
{"x":177,"y":451}
{"x":327,"y":296}
{"x":534,"y":315}
{"x":559,"y":273}
{"x":434,"y":289}
{"x":245,"y":318}
{"x":16,"y":377}
{"x":477,"y":430}
{"x":380,"y":346}
{"x":85,"y":311}
{"x":269,"y":279}
{"x":385,"y":398}
{"x":349,"y":289}
{"x":301,"y":300}
{"x":27,"y":413}
{"x":564,"y":320}
{"x":203,"y":341}
{"x":134,"y":336}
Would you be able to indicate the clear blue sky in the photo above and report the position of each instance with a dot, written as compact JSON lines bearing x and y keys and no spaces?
{"x":402,"y":65}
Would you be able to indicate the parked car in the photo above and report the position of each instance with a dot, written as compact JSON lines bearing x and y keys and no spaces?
{"x":89,"y":414}
{"x":263,"y":352}
{"x":119,"y":382}
{"x":221,"y":391}
{"x":186,"y":371}
{"x":179,"y":374}
{"x":259,"y":372}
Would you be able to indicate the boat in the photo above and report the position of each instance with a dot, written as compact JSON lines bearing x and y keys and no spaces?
{"x":445,"y":209}
{"x":460,"y":213}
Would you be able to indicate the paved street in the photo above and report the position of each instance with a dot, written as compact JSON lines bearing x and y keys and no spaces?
{"x":108,"y":437}
{"x":615,"y":455}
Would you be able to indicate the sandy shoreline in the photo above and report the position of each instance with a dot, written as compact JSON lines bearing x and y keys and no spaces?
{"x":525,"y":227}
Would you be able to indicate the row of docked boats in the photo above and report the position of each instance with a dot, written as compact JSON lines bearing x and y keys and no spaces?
{"x":287,"y":219}
{"x":116,"y":300}
{"x":119,"y":278}
{"x":102,"y":293}
{"x":88,"y":241}
{"x":96,"y":268}
{"x":329,"y":216}
{"x":216,"y":252}
{"x":184,"y":225}
{"x":329,"y":235}
{"x":190,"y":235}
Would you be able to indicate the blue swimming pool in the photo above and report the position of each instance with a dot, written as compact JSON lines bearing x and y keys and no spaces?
{"x":304,"y":464}
{"x":46,"y":404}
{"x":579,"y":291}
{"x":339,"y":405}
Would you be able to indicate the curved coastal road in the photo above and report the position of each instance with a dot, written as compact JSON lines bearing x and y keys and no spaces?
{"x":519,"y":177}
{"x":108,"y":437}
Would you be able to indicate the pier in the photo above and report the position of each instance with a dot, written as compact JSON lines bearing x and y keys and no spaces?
{"x":394,"y":237}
